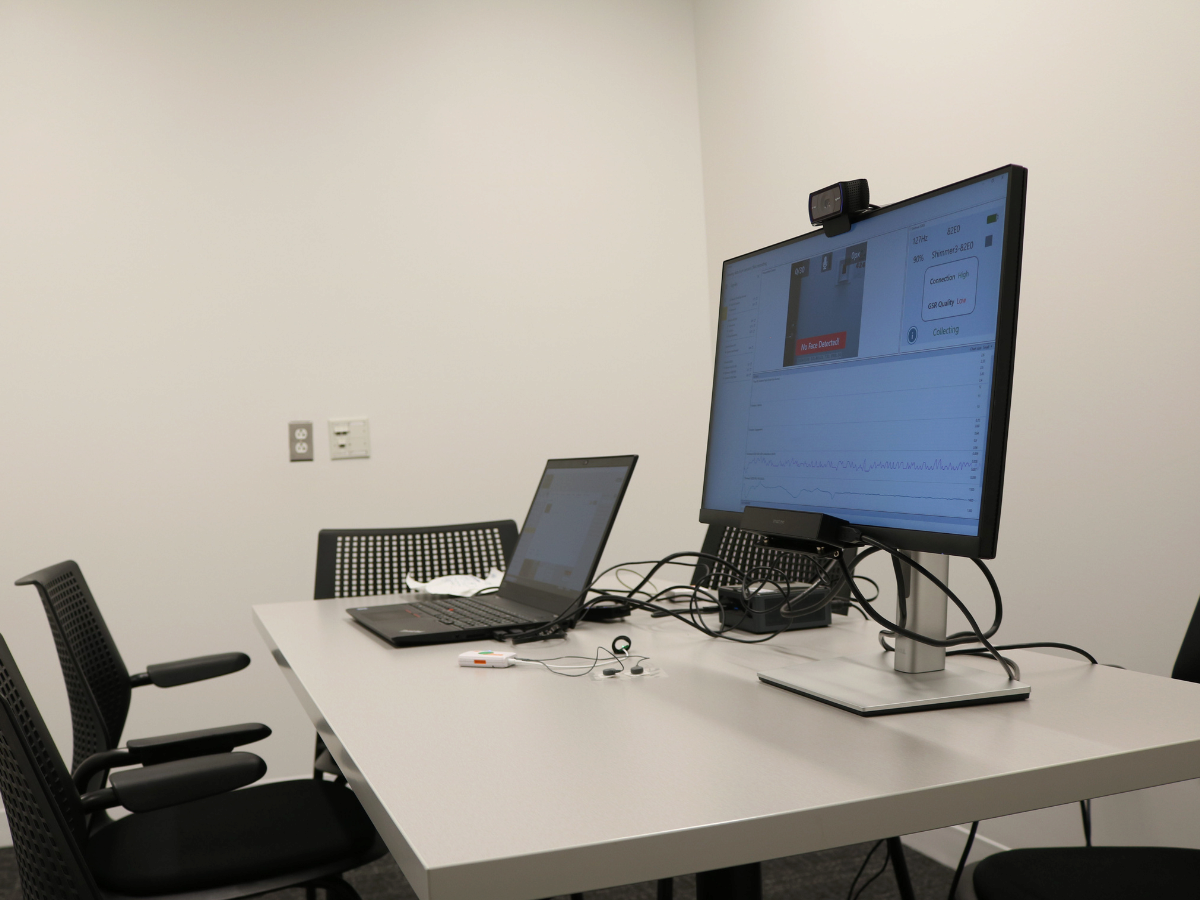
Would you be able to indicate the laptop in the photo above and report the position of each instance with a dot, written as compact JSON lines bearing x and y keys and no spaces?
{"x":555,"y":558}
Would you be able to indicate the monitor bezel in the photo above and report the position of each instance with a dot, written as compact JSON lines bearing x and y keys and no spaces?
{"x":984,"y":544}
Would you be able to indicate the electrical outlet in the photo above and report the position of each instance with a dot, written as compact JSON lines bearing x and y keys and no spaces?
{"x":349,"y":438}
{"x":300,"y":441}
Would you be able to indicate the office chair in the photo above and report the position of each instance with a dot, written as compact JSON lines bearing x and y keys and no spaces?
{"x":373,"y":561}
{"x":99,"y":687}
{"x":1095,"y":873}
{"x":745,"y":550}
{"x":99,"y":690}
{"x":364,"y":562}
{"x":191,"y":835}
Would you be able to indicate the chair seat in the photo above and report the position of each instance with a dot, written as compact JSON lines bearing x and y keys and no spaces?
{"x":247,"y":835}
{"x":1095,"y":873}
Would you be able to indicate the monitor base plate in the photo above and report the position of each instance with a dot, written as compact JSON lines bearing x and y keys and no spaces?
{"x":868,"y":686}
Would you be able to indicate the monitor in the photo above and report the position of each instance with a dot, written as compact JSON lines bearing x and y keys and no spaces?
{"x":867,"y":376}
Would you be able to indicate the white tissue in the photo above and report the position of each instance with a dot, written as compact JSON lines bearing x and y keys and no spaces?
{"x":457,"y":585}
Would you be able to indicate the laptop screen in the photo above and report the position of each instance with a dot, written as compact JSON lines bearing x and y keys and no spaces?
{"x":566,"y":530}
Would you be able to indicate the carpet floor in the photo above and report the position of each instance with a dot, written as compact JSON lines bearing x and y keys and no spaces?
{"x":812,"y":876}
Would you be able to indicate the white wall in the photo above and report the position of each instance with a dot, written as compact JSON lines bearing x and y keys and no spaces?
{"x":479,"y":224}
{"x":1101,"y":514}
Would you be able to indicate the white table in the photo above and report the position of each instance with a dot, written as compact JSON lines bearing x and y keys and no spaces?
{"x":517,"y":783}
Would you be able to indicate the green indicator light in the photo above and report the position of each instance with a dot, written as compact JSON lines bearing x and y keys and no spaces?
{"x":992,"y":218}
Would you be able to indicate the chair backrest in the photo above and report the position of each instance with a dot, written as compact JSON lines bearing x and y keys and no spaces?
{"x":1187,"y":663}
{"x":98,"y":686}
{"x":745,"y":550}
{"x":47,"y":821}
{"x":370,"y":561}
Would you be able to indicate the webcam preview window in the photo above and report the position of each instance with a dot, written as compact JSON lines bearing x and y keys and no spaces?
{"x":854,"y":373}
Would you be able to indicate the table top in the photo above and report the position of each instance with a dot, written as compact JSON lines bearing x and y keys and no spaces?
{"x":521,"y":783}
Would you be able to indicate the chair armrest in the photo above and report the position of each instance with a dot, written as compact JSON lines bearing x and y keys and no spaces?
{"x":172,"y":783}
{"x":164,"y":748}
{"x":185,"y":671}
{"x":99,"y":762}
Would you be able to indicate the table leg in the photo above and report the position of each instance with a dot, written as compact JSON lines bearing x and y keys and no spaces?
{"x":900,"y":868}
{"x":734,"y":883}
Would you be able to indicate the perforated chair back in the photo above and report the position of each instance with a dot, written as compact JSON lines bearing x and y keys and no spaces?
{"x":47,"y":821}
{"x":371,"y":561}
{"x":98,"y":686}
{"x":744,"y":549}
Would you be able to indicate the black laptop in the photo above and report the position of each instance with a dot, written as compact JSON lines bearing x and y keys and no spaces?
{"x":554,"y":561}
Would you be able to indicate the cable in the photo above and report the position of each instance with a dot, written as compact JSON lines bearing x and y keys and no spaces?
{"x":968,"y":636}
{"x":587,"y":669}
{"x":757,"y":579}
{"x":887,"y":856}
{"x":713,"y":566}
{"x":962,"y":637}
{"x":979,"y":651}
{"x":617,"y":575}
{"x":683,"y":617}
{"x":862,"y":868}
{"x":640,"y":562}
{"x":973,"y":651}
{"x":962,"y":860}
{"x":568,"y":617}
{"x":912,"y":635}
{"x":874,"y":583}
{"x":1010,"y":667}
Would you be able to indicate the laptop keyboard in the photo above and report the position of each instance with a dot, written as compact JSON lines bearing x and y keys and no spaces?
{"x":467,"y":613}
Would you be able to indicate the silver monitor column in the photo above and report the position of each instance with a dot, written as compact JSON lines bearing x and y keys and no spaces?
{"x":926,"y":607}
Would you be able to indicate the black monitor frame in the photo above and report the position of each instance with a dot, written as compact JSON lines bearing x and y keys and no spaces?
{"x":982,"y":545}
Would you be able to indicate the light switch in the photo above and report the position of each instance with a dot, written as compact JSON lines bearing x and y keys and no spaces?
{"x":349,"y":438}
{"x":300,"y":441}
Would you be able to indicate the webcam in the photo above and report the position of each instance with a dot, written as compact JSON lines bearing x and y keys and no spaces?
{"x":835,"y":207}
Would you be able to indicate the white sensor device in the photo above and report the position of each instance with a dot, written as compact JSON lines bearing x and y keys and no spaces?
{"x":685,"y":593}
{"x":492,"y":659}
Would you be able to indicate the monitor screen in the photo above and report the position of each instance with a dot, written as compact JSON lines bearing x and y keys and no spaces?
{"x":867,"y":376}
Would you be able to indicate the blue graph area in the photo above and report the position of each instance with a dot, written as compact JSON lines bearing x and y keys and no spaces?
{"x":862,"y":465}
{"x":958,"y":501}
{"x":901,"y":436}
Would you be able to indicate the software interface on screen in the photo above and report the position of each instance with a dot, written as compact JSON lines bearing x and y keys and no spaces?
{"x":565,"y":527}
{"x":854,"y":373}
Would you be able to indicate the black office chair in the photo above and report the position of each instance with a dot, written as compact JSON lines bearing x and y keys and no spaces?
{"x":373,"y":561}
{"x":99,"y":690}
{"x":1095,"y":873}
{"x":745,"y":550}
{"x":99,"y":687}
{"x":191,"y":835}
{"x":366,"y":562}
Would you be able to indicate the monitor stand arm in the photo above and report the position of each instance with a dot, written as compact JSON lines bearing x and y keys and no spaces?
{"x":919,"y":678}
{"x":926,"y":615}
